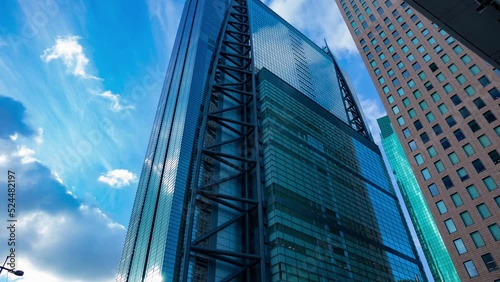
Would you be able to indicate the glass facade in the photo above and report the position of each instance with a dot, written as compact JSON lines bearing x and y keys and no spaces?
{"x":437,"y":256}
{"x":331,"y":211}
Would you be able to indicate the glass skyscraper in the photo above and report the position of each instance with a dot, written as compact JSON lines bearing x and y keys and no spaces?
{"x":260,"y":166}
{"x":437,"y":256}
{"x":442,"y":100}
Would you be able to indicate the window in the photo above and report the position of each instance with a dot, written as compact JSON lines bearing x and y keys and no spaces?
{"x":435,"y":97}
{"x":479,"y":103}
{"x":410,"y":57}
{"x":445,"y":143}
{"x":471,"y":269}
{"x":411,"y":83}
{"x":464,"y":112}
{"x":417,"y":94}
{"x":428,"y":58}
{"x":395,"y":56}
{"x":428,"y":85}
{"x":453,"y":158}
{"x":461,"y":79}
{"x":477,"y":239}
{"x":470,"y":90}
{"x":385,"y":89}
{"x":439,"y":166}
{"x":422,"y":75}
{"x":459,"y":245}
{"x":404,"y":26}
{"x":433,"y":190}
{"x":382,"y":57}
{"x":406,"y":132}
{"x":425,"y":137}
{"x":462,"y":173}
{"x":466,"y":218}
{"x":472,"y":191}
{"x":450,"y":121}
{"x":448,"y":88}
{"x":423,"y":105}
{"x":483,"y":211}
{"x":416,"y":66}
{"x":406,"y":74}
{"x":459,"y":135}
{"x":431,"y":39}
{"x":437,"y":129}
{"x":497,"y":200}
{"x":426,"y":174}
{"x":489,"y":262}
{"x":400,"y":65}
{"x":420,"y":49}
{"x":456,"y":100}
{"x":440,"y":77}
{"x":412,"y":145}
{"x":401,"y":120}
{"x":474,"y":126}
{"x":478,"y":165}
{"x":432,"y":151}
{"x":484,"y":140}
{"x":494,"y":156}
{"x":489,"y":116}
{"x":495,"y":231}
{"x":484,"y":81}
{"x":415,"y":41}
{"x":376,"y":71}
{"x":453,"y":69}
{"x":395,"y":82}
{"x":391,"y":49}
{"x":468,"y":149}
{"x":448,"y":184}
{"x":419,"y":159}
{"x":465,"y":59}
{"x":490,"y":183}
{"x":378,"y":49}
{"x":450,"y":40}
{"x":430,"y":117}
{"x":386,"y":64}
{"x":433,"y":67}
{"x":418,"y":124}
{"x":381,"y":80}
{"x":420,"y":25}
{"x":450,"y":225}
{"x":458,"y":49}
{"x":406,"y":102}
{"x":494,"y":93}
{"x":443,"y":109}
{"x":474,"y":69}
{"x":395,"y":110}
{"x":457,"y":200}
{"x":412,"y":113}
{"x":441,"y":207}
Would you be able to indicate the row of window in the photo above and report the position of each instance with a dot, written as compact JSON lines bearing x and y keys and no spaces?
{"x":488,"y":261}
{"x":488,"y":182}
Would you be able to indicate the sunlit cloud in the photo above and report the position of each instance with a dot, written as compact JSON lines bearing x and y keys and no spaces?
{"x":115,"y":99}
{"x":69,"y":50}
{"x":26,"y":154}
{"x":118,"y":178}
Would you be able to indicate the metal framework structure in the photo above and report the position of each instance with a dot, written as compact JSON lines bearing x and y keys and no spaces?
{"x":225,"y":218}
{"x":353,"y":113}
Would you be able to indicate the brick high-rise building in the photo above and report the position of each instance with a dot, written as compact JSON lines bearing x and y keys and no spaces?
{"x":443,"y":102}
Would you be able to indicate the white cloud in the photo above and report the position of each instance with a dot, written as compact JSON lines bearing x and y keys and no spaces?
{"x":321,"y":20}
{"x":69,"y":50}
{"x":116,"y":105}
{"x":118,"y":178}
{"x":26,"y":154}
{"x":372,"y":111}
{"x":39,"y":136}
{"x":3,"y":159}
{"x":13,"y":137}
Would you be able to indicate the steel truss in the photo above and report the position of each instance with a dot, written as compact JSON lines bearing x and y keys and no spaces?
{"x":225,"y":218}
{"x":353,"y":113}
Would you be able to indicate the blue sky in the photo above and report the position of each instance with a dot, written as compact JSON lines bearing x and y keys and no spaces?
{"x":79,"y":86}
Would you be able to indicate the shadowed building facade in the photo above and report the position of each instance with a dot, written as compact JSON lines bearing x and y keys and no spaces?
{"x":260,"y":166}
{"x":443,"y":102}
